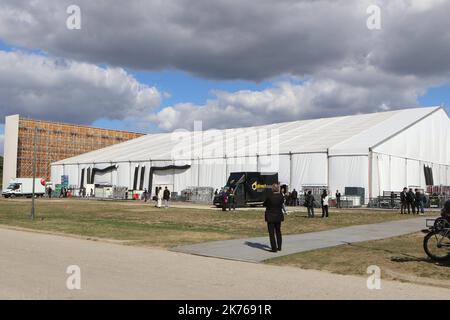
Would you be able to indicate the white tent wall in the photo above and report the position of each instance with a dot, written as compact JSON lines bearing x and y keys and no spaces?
{"x":414,"y":171}
{"x":391,"y":173}
{"x":380,"y":174}
{"x":212,"y":173}
{"x":276,"y":163}
{"x":160,"y":178}
{"x":71,"y":170}
{"x":400,"y":159}
{"x":103,"y":178}
{"x":123,"y":174}
{"x":184,"y":178}
{"x":309,"y":169}
{"x":398,"y":174}
{"x":426,"y":140}
{"x":57,"y":171}
{"x":349,"y":171}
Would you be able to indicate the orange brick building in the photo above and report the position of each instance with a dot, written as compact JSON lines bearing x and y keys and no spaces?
{"x":55,"y":141}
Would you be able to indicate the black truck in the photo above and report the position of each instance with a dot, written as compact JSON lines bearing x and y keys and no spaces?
{"x":250,"y":188}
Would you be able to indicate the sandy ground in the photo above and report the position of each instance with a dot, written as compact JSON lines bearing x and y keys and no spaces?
{"x":33,"y":266}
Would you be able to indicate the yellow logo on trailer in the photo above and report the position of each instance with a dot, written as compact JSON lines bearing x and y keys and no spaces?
{"x":256,"y":186}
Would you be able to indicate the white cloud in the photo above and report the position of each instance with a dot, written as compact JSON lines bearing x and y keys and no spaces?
{"x":345,"y":68}
{"x":348,"y":90}
{"x":60,"y":89}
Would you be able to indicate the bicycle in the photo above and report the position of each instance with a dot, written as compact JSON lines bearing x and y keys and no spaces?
{"x":437,"y":241}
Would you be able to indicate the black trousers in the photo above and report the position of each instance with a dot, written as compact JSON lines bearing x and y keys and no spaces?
{"x":403,"y":207}
{"x":324,"y":211}
{"x":275,"y":232}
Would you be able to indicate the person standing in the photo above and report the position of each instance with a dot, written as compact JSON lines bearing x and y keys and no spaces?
{"x":403,"y":201}
{"x":159,"y":197}
{"x":231,"y":200}
{"x":411,"y":201}
{"x":145,"y":195}
{"x":274,"y":216}
{"x":419,"y":201}
{"x":49,"y":192}
{"x":283,"y":208}
{"x":309,"y":202}
{"x":166,"y":197}
{"x":224,"y":198}
{"x":294,"y":196}
{"x":393,"y":196}
{"x":325,"y":199}
{"x":338,"y":199}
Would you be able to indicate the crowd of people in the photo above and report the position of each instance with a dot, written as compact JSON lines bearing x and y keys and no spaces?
{"x":161,"y":198}
{"x":412,"y":201}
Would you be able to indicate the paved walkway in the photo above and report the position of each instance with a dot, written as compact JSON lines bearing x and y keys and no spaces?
{"x":257,"y":249}
{"x":33,"y":266}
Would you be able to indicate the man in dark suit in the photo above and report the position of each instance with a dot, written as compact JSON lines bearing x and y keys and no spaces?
{"x":309,"y":203}
{"x":294,"y":197}
{"x":274,"y":216}
{"x":338,"y":199}
{"x":411,"y":201}
{"x":403,"y":201}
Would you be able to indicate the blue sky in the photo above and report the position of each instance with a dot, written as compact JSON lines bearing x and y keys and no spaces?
{"x":168,"y":68}
{"x":183,"y":87}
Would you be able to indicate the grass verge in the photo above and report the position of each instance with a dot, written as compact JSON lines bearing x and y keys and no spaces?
{"x":142,"y":224}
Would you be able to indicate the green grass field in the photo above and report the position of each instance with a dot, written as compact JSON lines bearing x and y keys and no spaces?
{"x":399,"y":258}
{"x":137,"y":223}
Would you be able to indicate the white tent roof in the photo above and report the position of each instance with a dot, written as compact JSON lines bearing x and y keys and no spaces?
{"x":337,"y":136}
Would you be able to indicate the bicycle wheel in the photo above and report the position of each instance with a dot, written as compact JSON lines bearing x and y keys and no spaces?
{"x":437,"y":245}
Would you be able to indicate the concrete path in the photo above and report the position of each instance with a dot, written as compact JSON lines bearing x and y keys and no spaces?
{"x":33,"y":266}
{"x":257,"y":249}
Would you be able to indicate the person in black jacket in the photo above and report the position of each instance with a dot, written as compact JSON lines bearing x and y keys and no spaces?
{"x":309,"y":203}
{"x":274,"y":216}
{"x":166,"y":197}
{"x":419,"y":201}
{"x":411,"y":201}
{"x":403,"y":201}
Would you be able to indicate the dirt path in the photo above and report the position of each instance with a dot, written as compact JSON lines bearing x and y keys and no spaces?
{"x":34,"y":266}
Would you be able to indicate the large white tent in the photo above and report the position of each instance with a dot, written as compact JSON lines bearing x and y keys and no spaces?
{"x":383,"y":151}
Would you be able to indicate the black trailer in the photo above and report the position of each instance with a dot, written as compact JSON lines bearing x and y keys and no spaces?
{"x":250,"y":188}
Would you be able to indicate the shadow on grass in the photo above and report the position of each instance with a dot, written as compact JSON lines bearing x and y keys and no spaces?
{"x":404,"y":257}
{"x":258,"y":245}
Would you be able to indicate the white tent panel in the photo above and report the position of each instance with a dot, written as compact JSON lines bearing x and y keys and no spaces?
{"x":71,"y":170}
{"x":123,"y":174}
{"x":309,"y":169}
{"x":57,"y":171}
{"x":103,"y":178}
{"x":414,"y":172}
{"x":427,"y":140}
{"x":213,"y":173}
{"x":239,"y":164}
{"x":276,"y":163}
{"x":349,"y":171}
{"x":398,"y":174}
{"x":381,"y":176}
